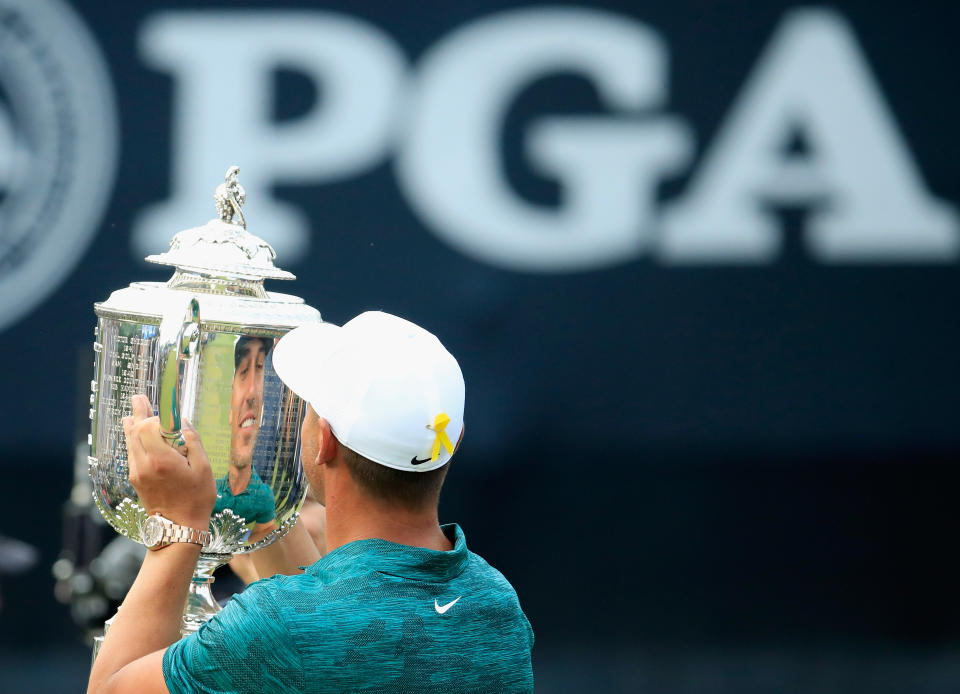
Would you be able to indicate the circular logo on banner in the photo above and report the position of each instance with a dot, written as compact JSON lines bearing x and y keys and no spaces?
{"x":58,"y":148}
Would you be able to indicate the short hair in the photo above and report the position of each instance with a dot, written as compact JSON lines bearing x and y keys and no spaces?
{"x":409,"y":489}
{"x":241,"y":348}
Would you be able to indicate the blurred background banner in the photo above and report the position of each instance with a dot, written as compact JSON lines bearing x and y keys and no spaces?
{"x":698,"y":261}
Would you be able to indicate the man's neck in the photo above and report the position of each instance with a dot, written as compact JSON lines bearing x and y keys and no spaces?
{"x":356,"y":517}
{"x":239,"y":478}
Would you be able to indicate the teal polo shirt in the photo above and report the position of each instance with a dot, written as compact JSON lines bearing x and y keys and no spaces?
{"x":371,"y":616}
{"x":255,"y":503}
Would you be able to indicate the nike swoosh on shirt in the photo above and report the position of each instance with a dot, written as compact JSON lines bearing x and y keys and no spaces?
{"x":444,"y":608}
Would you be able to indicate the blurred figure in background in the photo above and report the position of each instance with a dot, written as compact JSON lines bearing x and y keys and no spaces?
{"x":15,"y":558}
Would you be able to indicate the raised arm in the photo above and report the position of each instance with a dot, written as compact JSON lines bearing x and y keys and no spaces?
{"x":288,"y":554}
{"x":180,"y":486}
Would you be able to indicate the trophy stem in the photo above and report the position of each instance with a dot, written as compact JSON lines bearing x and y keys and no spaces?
{"x":200,"y":605}
{"x":98,"y":640}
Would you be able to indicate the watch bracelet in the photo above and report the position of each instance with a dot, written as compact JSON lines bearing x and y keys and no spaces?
{"x":182,"y":533}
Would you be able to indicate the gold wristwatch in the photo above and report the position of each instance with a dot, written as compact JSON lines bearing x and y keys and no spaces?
{"x":158,"y":532}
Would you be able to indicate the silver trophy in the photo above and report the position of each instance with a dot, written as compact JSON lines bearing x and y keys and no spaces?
{"x":200,"y":348}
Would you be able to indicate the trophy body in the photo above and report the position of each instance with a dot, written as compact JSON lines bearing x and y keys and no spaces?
{"x":199,"y":347}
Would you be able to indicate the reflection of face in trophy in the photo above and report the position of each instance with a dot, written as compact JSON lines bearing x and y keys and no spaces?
{"x":241,"y":489}
{"x":246,"y":398}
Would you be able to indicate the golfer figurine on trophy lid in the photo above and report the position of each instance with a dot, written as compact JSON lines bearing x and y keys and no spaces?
{"x":199,"y":347}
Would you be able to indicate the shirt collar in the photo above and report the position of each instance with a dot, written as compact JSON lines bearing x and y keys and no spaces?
{"x":391,"y":558}
{"x":253,"y":476}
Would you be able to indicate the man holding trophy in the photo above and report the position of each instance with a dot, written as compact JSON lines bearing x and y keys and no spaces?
{"x":397,"y":604}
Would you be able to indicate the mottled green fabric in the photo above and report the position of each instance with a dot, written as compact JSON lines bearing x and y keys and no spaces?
{"x":254,"y":504}
{"x":371,"y":616}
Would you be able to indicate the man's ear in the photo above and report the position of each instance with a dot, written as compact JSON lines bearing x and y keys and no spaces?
{"x":327,"y":443}
{"x":463,"y":430}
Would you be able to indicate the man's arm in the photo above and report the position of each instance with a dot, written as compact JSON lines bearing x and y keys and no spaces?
{"x":260,"y":530}
{"x":313,"y":515}
{"x":183,"y":490}
{"x":241,"y":564}
{"x":288,"y":554}
{"x":302,"y":545}
{"x":131,"y":658}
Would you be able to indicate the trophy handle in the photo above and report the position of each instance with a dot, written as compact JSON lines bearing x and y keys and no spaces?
{"x":178,"y":347}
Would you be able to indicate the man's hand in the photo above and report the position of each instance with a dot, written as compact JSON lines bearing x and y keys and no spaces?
{"x":177,"y":483}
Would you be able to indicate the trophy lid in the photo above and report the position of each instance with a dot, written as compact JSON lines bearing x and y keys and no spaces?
{"x":223,"y":248}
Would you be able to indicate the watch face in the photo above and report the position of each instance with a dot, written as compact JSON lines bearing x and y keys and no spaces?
{"x":152,"y":531}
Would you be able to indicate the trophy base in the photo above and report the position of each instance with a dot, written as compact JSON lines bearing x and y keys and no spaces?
{"x":200,"y":605}
{"x":98,"y":640}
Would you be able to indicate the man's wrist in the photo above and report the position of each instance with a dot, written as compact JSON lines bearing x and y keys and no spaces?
{"x":180,"y":518}
{"x":172,"y":560}
{"x":177,"y":548}
{"x":159,"y":531}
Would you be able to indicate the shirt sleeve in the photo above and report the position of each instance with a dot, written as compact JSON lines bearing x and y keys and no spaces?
{"x":244,"y":648}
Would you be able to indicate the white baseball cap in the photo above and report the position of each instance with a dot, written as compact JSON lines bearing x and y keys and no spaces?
{"x":390,"y":391}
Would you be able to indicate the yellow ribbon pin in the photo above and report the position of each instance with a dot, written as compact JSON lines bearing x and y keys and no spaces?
{"x":440,"y":423}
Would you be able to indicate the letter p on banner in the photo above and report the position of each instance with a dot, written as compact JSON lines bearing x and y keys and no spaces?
{"x":223,"y":66}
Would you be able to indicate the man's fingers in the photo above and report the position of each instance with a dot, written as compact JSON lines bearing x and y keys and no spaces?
{"x":135,"y":453}
{"x":133,"y":429}
{"x":141,"y":408}
{"x":180,"y":446}
{"x":188,"y":433}
{"x":190,"y":441}
{"x":194,"y":449}
{"x":134,"y":445}
{"x":159,"y":455}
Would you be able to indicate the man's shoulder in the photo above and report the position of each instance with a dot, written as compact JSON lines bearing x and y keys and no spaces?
{"x":497,"y":594}
{"x":345,"y":607}
{"x":480,"y":569}
{"x":274,"y":590}
{"x":280,"y":584}
{"x":307,"y":591}
{"x":328,"y":588}
{"x":349,"y":623}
